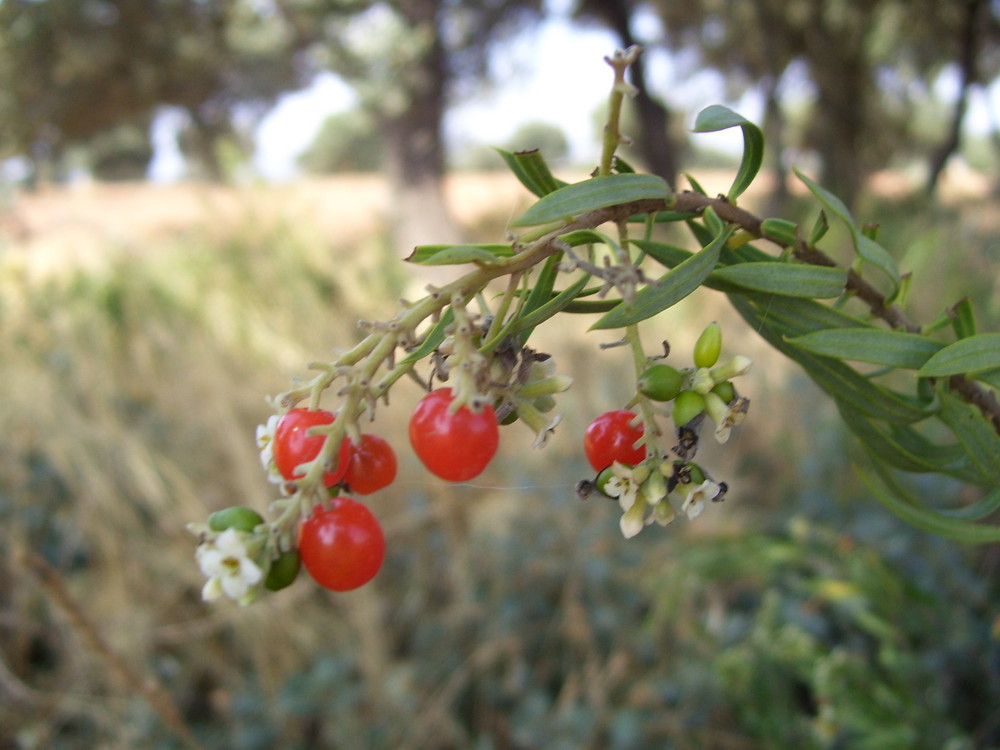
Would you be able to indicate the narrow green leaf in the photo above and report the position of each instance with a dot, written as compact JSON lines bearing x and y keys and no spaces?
{"x":866,"y":248}
{"x":880,"y":442}
{"x":875,"y":345}
{"x":432,"y":340}
{"x":963,"y":318}
{"x":833,"y":376}
{"x":597,"y":192}
{"x":530,"y":168}
{"x":791,"y":279}
{"x":591,"y":306}
{"x":819,"y":229}
{"x":583,"y":237}
{"x":715,"y":118}
{"x":669,"y":289}
{"x":990,"y":377}
{"x":782,"y":231}
{"x":895,"y":497}
{"x":968,"y":355}
{"x":701,"y":233}
{"x":540,"y":294}
{"x":985,"y":506}
{"x":664,"y":254}
{"x":975,"y":434}
{"x":447,"y":255}
{"x":903,"y":447}
{"x":798,"y":316}
{"x":555,"y":305}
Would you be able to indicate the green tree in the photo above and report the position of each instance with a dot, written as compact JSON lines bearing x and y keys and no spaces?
{"x":869,"y":63}
{"x":406,"y":59}
{"x":546,"y":137}
{"x":70,"y":69}
{"x":346,"y":142}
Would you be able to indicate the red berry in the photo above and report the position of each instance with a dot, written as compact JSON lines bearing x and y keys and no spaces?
{"x":610,"y":437}
{"x":342,"y":547}
{"x":293,"y":447}
{"x":454,"y":446}
{"x":372,"y":465}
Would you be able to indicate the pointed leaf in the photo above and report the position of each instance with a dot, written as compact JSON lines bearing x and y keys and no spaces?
{"x":597,"y":192}
{"x":865,"y":247}
{"x":833,"y":376}
{"x":530,"y":168}
{"x":555,"y":305}
{"x":669,"y":289}
{"x":985,"y":506}
{"x":875,"y":345}
{"x":447,"y":255}
{"x":904,"y":448}
{"x":715,"y":118}
{"x":798,"y":316}
{"x":432,"y":340}
{"x":975,"y":434}
{"x":904,"y":505}
{"x":968,"y":355}
{"x":990,"y":377}
{"x":963,"y":318}
{"x":790,"y":279}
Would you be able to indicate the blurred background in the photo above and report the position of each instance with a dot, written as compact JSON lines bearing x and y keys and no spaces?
{"x":198,"y":197}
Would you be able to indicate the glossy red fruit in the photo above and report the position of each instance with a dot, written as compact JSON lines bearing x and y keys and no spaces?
{"x":372,"y":466}
{"x":293,"y":447}
{"x":610,"y":438}
{"x":342,"y":547}
{"x":458,"y":446}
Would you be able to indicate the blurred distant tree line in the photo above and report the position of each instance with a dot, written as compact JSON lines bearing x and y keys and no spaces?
{"x":91,"y":75}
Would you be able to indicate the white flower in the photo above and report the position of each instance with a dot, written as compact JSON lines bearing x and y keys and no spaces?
{"x":726,"y":416}
{"x":634,"y":519}
{"x":265,"y":442}
{"x":641,"y":493}
{"x":229,"y":569}
{"x":702,"y":381}
{"x":695,"y":497}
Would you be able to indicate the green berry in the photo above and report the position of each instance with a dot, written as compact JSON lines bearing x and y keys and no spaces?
{"x":282,"y":571}
{"x":687,"y":406}
{"x":708,"y":346}
{"x":237,"y":517}
{"x":725,"y":391}
{"x":603,"y":477}
{"x":661,"y":382}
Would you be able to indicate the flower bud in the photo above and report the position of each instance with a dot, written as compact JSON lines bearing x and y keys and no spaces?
{"x":237,"y":517}
{"x":283,"y":571}
{"x":738,"y":365}
{"x":725,"y":391}
{"x":546,"y":387}
{"x":687,"y":406}
{"x":708,"y":346}
{"x":661,"y":382}
{"x":702,"y":381}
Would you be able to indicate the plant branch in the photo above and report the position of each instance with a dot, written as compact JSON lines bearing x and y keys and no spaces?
{"x":970,"y":391}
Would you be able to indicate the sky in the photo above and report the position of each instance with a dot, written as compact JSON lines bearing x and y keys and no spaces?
{"x":555,"y":74}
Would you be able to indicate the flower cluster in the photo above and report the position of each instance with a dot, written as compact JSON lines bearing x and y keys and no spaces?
{"x":634,"y":469}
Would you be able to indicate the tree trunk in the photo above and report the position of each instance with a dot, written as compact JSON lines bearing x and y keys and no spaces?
{"x":968,"y":55}
{"x":844,"y":87}
{"x":205,"y":137}
{"x":774,"y":134}
{"x":414,"y":143}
